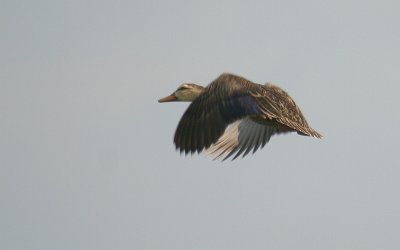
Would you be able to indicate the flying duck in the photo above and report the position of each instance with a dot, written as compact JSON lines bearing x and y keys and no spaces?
{"x":233,"y":116}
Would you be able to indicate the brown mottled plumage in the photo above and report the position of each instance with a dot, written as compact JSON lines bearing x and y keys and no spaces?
{"x":233,"y":115}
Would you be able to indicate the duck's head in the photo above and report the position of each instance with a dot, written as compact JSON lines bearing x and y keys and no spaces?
{"x":186,"y":92}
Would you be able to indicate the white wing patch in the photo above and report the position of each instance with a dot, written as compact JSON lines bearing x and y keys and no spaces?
{"x":241,"y":137}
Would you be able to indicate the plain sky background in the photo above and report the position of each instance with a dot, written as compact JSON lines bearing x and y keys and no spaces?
{"x":86,"y":153}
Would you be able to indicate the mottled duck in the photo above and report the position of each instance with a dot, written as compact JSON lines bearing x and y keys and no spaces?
{"x":233,"y":116}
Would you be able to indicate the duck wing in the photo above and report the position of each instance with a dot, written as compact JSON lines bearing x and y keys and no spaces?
{"x":224,"y":101}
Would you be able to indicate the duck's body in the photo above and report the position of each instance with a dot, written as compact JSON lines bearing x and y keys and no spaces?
{"x":233,"y":115}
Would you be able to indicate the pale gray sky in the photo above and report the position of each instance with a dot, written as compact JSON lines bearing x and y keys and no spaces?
{"x":86,"y":153}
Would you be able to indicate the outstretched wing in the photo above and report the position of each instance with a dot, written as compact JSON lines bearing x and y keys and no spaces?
{"x":223,"y":102}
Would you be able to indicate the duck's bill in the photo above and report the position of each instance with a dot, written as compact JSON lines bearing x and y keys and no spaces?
{"x":170,"y":98}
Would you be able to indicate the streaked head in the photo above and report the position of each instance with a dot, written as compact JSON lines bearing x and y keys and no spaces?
{"x":186,"y":92}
